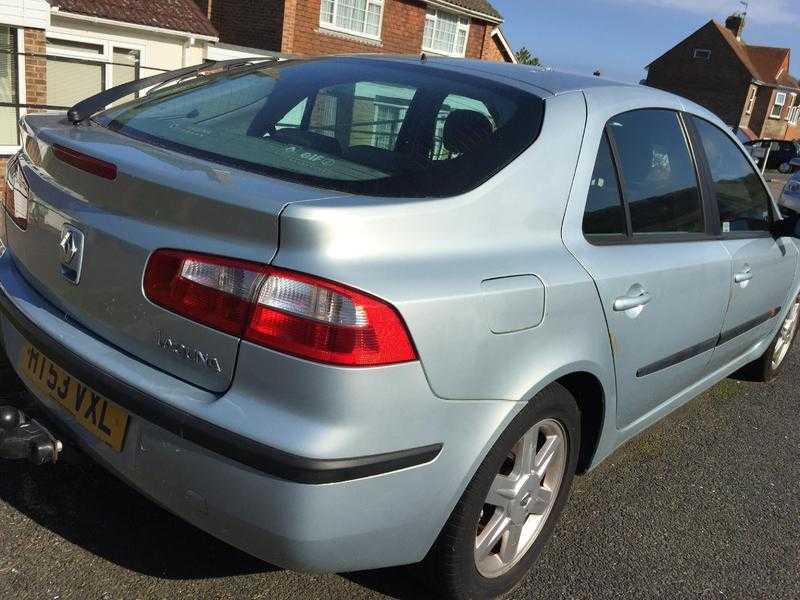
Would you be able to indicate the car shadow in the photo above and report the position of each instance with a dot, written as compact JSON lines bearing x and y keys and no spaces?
{"x":92,"y":509}
{"x":89,"y":507}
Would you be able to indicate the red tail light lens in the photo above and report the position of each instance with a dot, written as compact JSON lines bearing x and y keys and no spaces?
{"x":15,"y":195}
{"x":84,"y":162}
{"x":213,"y":291}
{"x":289,"y":312}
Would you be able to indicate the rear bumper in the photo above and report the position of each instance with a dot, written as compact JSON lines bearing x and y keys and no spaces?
{"x":330,"y":513}
{"x":224,"y":442}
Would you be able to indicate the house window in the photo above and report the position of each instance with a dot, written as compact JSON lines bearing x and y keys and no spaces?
{"x":794,"y":115}
{"x":361,"y":17}
{"x":702,"y":54}
{"x":751,"y":101}
{"x":777,"y":108}
{"x":445,"y":33}
{"x":9,"y":91}
{"x":79,"y":68}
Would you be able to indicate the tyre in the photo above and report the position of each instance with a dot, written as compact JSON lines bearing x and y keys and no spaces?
{"x":785,"y":168}
{"x":508,"y":511}
{"x":769,"y":365}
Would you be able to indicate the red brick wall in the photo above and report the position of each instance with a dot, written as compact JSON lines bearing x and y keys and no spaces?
{"x":35,"y":68}
{"x":35,"y":79}
{"x":720,"y":85}
{"x":402,"y":27}
{"x":492,"y":49}
{"x":775,"y":127}
{"x":251,"y":23}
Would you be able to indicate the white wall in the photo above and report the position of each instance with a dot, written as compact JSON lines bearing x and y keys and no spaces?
{"x":158,"y":50}
{"x":25,"y":13}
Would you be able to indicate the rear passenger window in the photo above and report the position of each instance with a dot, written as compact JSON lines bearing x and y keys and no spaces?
{"x":660,"y":180}
{"x":604,"y":214}
{"x":742,"y":199}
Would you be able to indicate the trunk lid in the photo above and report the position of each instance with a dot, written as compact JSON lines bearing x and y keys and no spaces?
{"x":159,"y":199}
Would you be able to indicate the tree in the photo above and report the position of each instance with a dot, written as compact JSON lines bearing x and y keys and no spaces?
{"x":524,"y":57}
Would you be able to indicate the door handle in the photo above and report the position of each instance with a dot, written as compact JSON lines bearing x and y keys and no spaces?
{"x":743,"y":276}
{"x":624,"y":303}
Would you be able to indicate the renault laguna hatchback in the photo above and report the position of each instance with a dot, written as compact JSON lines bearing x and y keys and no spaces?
{"x":356,"y":312}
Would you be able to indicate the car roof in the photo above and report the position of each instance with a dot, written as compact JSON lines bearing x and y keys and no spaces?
{"x":551,"y":82}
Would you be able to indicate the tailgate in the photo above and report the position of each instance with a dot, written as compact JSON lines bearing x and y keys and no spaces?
{"x":159,"y":199}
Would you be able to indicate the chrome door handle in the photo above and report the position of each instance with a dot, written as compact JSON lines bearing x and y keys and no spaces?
{"x":624,"y":303}
{"x":743,"y":276}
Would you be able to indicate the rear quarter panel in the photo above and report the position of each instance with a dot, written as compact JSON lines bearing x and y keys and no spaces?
{"x":429,"y":257}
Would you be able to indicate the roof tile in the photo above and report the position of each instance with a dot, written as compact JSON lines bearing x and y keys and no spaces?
{"x":481,"y":6}
{"x":179,"y":15}
{"x":765,"y":63}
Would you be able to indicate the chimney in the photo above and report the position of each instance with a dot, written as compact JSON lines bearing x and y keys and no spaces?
{"x":735,"y":23}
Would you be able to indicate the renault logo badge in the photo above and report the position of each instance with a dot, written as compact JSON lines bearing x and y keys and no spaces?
{"x":71,"y":253}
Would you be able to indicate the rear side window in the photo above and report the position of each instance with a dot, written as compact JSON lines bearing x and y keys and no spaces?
{"x":358,"y":125}
{"x":742,"y":199}
{"x":604,"y":214}
{"x":660,"y":180}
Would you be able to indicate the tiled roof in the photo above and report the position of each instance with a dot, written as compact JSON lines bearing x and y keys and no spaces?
{"x":481,"y":6}
{"x":178,"y":15}
{"x":765,"y":63}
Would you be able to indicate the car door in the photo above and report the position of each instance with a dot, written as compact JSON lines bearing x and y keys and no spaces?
{"x":663,"y":280}
{"x":763,"y":266}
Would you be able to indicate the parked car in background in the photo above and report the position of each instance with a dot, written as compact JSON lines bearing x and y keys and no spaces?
{"x":780,"y":156}
{"x":356,"y":312}
{"x":790,"y":197}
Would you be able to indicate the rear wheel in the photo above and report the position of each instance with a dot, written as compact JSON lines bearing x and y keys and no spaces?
{"x":509,"y":510}
{"x":769,"y":365}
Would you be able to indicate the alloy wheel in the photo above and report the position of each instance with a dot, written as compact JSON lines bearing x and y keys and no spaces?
{"x":785,"y":336}
{"x":521,"y":498}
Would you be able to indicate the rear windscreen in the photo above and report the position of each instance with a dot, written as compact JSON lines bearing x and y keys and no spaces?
{"x":358,"y":125}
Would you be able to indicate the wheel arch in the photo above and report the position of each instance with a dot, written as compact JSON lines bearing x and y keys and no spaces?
{"x":594,"y":392}
{"x":590,"y":397}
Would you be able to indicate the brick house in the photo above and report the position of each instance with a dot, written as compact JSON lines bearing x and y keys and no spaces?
{"x":746,"y":86}
{"x":56,"y":52}
{"x":461,"y":28}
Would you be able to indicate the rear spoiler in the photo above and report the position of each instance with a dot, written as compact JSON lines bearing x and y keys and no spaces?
{"x":86,"y":108}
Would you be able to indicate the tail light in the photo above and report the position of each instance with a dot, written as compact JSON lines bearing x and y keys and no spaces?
{"x":283,"y":310}
{"x":15,"y":195}
{"x":84,"y":162}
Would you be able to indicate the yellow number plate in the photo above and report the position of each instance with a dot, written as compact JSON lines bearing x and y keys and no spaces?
{"x":97,"y":414}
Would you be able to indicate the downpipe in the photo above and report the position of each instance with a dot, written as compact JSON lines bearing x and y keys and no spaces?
{"x":23,"y":438}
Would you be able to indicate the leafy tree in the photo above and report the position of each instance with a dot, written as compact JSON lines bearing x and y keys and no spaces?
{"x":524,"y":57}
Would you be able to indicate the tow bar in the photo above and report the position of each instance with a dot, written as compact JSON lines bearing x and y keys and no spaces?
{"x":23,"y":438}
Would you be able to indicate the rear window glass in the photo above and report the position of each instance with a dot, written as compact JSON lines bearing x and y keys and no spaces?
{"x":356,"y":125}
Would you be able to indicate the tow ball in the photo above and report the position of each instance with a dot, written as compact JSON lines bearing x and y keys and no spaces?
{"x":23,"y":438}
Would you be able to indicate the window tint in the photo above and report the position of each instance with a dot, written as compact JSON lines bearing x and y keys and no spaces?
{"x":660,"y":179}
{"x":352,"y":124}
{"x":604,"y":214}
{"x":743,"y":201}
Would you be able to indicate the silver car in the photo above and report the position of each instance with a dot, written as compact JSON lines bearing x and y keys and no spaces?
{"x":356,"y":312}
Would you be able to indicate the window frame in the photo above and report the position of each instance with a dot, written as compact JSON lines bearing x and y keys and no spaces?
{"x":713,"y":209}
{"x":17,"y":35}
{"x":779,"y":105}
{"x":703,"y":54}
{"x":751,"y":101}
{"x":332,"y":26}
{"x":794,"y":115}
{"x":703,"y":187}
{"x":432,"y":14}
{"x":104,"y":58}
